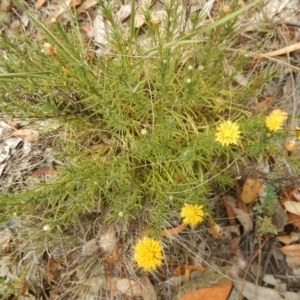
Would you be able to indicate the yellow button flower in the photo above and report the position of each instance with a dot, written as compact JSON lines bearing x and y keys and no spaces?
{"x":275,"y":119}
{"x":192,"y":214}
{"x":227,"y":133}
{"x":148,"y":253}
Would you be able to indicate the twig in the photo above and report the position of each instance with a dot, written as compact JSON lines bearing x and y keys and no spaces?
{"x":284,"y":50}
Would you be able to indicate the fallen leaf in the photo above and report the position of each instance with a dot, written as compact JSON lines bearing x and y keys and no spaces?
{"x":27,"y":135}
{"x":262,"y":105}
{"x":293,"y":262}
{"x":252,"y":291}
{"x":134,"y":289}
{"x":290,"y":198}
{"x":5,"y":124}
{"x":87,"y":29}
{"x":292,"y":253}
{"x":74,"y":3}
{"x":245,"y":219}
{"x":230,"y":212}
{"x":85,"y":5}
{"x":218,"y":291}
{"x":11,"y":123}
{"x":288,"y":239}
{"x":251,"y":190}
{"x":290,"y":193}
{"x":173,"y":231}
{"x":292,"y":207}
{"x":285,"y":239}
{"x":296,"y":193}
{"x":213,"y":284}
{"x":291,"y":250}
{"x":39,"y":3}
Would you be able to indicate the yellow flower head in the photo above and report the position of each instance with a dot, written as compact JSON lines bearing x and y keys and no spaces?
{"x":228,"y":133}
{"x":192,"y":214}
{"x":148,"y":253}
{"x":275,"y":119}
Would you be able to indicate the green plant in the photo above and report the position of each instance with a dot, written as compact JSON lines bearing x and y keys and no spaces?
{"x":268,"y":199}
{"x":151,"y":118}
{"x":265,"y":225}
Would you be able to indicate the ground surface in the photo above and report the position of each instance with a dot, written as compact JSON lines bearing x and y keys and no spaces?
{"x":93,"y":260}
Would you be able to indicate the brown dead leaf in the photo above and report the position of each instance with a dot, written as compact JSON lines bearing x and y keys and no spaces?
{"x":239,"y":203}
{"x":11,"y":123}
{"x":53,"y":267}
{"x":291,"y":250}
{"x":293,"y":237}
{"x":292,"y":253}
{"x":263,"y":105}
{"x":288,"y":239}
{"x":290,"y":193}
{"x":134,"y":289}
{"x":245,"y":219}
{"x":27,"y":135}
{"x":252,"y":291}
{"x":285,"y":239}
{"x":85,"y":5}
{"x":251,"y":190}
{"x":230,"y":212}
{"x":44,"y":171}
{"x":75,"y":3}
{"x":290,"y":198}
{"x":87,"y":29}
{"x":173,"y":231}
{"x":219,"y":291}
{"x":293,"y":262}
{"x":292,"y":207}
{"x":296,"y":194}
{"x":39,"y":3}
